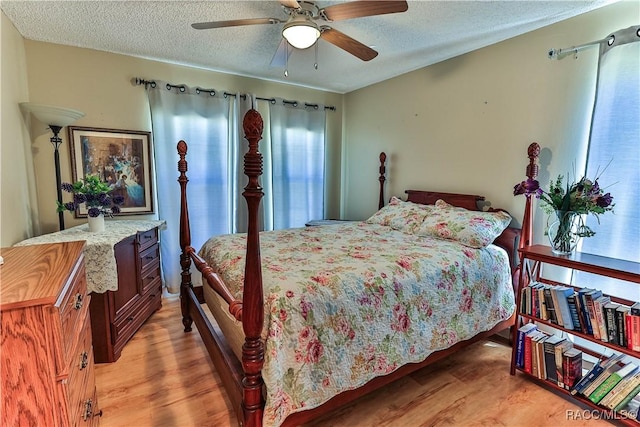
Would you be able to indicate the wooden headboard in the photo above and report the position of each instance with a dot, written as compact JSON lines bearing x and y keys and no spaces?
{"x":467,"y":201}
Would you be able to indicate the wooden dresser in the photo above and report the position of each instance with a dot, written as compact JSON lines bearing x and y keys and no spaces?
{"x":117,"y":315}
{"x":45,"y":342}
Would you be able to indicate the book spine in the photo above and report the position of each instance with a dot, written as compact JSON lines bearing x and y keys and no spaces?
{"x":550,"y":361}
{"x":573,"y":311}
{"x":635,"y":332}
{"x":556,"y":305}
{"x":585,"y":313}
{"x":612,"y":325}
{"x":620,"y":391}
{"x":627,"y":399}
{"x":601,"y":391}
{"x":602,"y":324}
{"x":551,"y":309}
{"x":586,"y":380}
{"x":528,"y":355}
{"x":621,"y":326}
{"x":572,"y":367}
{"x":559,"y":352}
{"x":593,"y":318}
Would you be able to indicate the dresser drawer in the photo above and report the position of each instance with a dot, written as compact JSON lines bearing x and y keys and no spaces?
{"x":147,"y":238}
{"x":126,"y":327}
{"x":81,"y":373}
{"x":150,"y":277}
{"x":74,"y":309}
{"x":149,"y":256}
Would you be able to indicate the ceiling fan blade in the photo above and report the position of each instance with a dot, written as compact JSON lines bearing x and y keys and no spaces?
{"x":235,"y":23}
{"x":359,"y":9}
{"x":348,"y":44}
{"x":293,"y":4}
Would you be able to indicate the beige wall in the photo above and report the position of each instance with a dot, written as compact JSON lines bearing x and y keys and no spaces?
{"x":464,"y":125}
{"x":100,"y":85}
{"x":18,"y":208}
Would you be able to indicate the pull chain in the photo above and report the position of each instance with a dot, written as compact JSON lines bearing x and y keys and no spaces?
{"x":315,"y":65}
{"x":286,"y":61}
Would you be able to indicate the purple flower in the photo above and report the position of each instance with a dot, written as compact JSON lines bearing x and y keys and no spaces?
{"x":117,"y":200}
{"x":605,"y":200}
{"x":528,"y":187}
{"x":115,"y":209}
{"x":70,"y":206}
{"x":79,"y":198}
{"x":67,"y":187}
{"x":103,"y":199}
{"x":94,"y":212}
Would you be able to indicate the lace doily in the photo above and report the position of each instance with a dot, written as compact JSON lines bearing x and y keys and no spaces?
{"x":100,"y":260}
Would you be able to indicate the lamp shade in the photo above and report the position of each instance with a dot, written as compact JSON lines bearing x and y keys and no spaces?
{"x":301,"y":33}
{"x":51,"y":115}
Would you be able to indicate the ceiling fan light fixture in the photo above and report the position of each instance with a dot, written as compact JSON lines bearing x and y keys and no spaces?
{"x":301,"y":33}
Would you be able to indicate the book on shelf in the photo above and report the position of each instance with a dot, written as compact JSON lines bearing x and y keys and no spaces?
{"x":627,"y":401}
{"x":560,"y":349}
{"x":572,"y":301}
{"x":594,"y":372}
{"x":584,"y":312}
{"x":612,"y":324}
{"x":621,"y":314}
{"x":561,"y":293}
{"x":634,"y":333}
{"x":589,"y":298}
{"x":528,"y":350}
{"x":549,"y":352}
{"x":571,"y":367}
{"x":635,"y":309}
{"x":598,"y":307}
{"x":621,"y":390}
{"x":522,"y":331}
{"x":548,"y":301}
{"x":610,"y":382}
{"x":614,"y":367}
{"x":538,"y":368}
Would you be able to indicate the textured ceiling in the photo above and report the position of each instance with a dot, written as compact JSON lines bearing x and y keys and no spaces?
{"x":429,"y":32}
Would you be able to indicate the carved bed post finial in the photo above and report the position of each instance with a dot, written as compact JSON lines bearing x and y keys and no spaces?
{"x":185,"y":238}
{"x":383,"y":159}
{"x":532,"y":173}
{"x":252,"y":298}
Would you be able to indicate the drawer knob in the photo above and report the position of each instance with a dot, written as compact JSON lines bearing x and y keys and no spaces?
{"x":147,"y":236}
{"x":130,"y":318}
{"x":88,"y":409}
{"x":149,"y":257}
{"x":84,"y":360}
{"x":78,"y":304}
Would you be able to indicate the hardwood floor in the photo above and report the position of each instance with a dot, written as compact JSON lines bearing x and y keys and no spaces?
{"x":164,"y":378}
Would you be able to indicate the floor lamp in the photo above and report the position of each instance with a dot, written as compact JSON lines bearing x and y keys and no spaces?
{"x":56,"y":118}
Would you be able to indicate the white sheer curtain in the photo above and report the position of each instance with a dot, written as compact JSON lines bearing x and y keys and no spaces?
{"x":297,"y":162}
{"x":615,"y":138}
{"x":207,"y":124}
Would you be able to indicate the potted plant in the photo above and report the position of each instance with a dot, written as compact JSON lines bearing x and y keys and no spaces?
{"x":96,"y":195}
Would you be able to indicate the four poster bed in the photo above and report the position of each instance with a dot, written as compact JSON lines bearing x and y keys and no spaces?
{"x":348,"y":308}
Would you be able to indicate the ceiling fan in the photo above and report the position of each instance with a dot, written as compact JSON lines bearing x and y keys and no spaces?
{"x":301,"y":30}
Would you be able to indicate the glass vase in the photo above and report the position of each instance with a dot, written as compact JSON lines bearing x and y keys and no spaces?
{"x":563,"y":232}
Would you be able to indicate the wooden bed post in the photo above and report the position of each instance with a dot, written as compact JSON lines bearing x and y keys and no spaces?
{"x":185,"y":239}
{"x":383,"y":158}
{"x":252,"y":299}
{"x":532,"y":173}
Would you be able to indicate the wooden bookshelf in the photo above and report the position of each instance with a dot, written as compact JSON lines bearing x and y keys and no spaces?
{"x":532,"y":259}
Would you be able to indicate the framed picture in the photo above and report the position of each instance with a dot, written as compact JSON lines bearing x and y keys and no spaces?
{"x":121,"y":158}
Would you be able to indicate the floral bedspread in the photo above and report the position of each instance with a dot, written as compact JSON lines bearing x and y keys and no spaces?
{"x":347,"y":303}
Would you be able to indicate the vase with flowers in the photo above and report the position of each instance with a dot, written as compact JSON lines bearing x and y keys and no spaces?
{"x":567,"y":205}
{"x":96,"y":194}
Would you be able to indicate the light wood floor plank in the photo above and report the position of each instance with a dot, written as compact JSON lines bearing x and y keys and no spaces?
{"x":164,"y":378}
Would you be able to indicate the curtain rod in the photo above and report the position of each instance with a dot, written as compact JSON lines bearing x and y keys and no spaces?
{"x":564,"y":52}
{"x":140,"y":81}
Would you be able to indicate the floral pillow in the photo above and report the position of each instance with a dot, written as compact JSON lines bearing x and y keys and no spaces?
{"x":401,"y":215}
{"x":475,"y":229}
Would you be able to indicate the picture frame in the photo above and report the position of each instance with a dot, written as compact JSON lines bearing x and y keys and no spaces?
{"x":121,"y":158}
